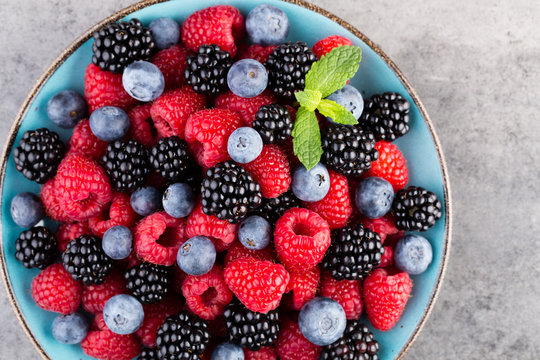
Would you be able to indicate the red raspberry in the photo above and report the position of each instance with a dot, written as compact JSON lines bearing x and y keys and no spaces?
{"x":336,"y":207}
{"x":172,"y":63}
{"x":292,"y":345}
{"x":255,"y":51}
{"x":303,"y":287}
{"x":259,"y":285}
{"x":271,"y":170}
{"x":51,"y":203}
{"x":171,"y":110}
{"x":221,"y":232}
{"x":220,"y":25}
{"x":348,"y":293}
{"x":158,"y":238}
{"x":84,"y":142}
{"x":391,"y":165}
{"x":106,"y":345}
{"x":141,"y":126}
{"x":69,"y":231}
{"x":383,"y":226}
{"x":264,"y":353}
{"x":385,"y":297}
{"x":324,"y":46}
{"x":53,"y":289}
{"x":119,"y":213}
{"x":301,"y":238}
{"x":98,"y":323}
{"x":246,"y":107}
{"x":387,"y":258}
{"x":207,"y":295}
{"x":103,"y":88}
{"x":239,"y":251}
{"x":154,"y":316}
{"x":94,"y":297}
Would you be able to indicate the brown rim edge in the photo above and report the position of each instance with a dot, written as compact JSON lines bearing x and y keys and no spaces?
{"x":145,"y":3}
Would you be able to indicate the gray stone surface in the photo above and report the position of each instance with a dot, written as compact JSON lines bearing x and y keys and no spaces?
{"x":476,"y":66}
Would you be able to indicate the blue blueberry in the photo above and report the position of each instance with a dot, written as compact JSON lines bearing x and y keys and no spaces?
{"x":26,"y":209}
{"x":244,"y":145}
{"x":165,"y":32}
{"x":267,"y":25}
{"x":178,"y":200}
{"x":70,"y":329}
{"x":123,"y":314}
{"x":312,"y":185}
{"x":255,"y":232}
{"x":117,"y":242}
{"x":247,"y":78}
{"x":146,"y":200}
{"x":109,"y":123}
{"x":413,"y":254}
{"x":143,"y":81}
{"x":66,"y":109}
{"x":374,"y":197}
{"x":350,"y":98}
{"x":196,"y":256}
{"x":322,"y":321}
{"x":227,"y":351}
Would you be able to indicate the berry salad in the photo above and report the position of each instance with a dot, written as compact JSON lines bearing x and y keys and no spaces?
{"x":225,"y":195}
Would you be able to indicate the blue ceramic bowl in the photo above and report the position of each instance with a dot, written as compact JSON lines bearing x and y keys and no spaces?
{"x":377,"y":74}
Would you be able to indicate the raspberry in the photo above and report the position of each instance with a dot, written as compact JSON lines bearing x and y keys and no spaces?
{"x":142,"y":127}
{"x":103,"y":88}
{"x":255,"y":51}
{"x":119,"y":213}
{"x":51,"y":203}
{"x":301,"y":238}
{"x":348,"y":293}
{"x":239,"y":251}
{"x":391,"y":165}
{"x":220,"y":25}
{"x":383,"y":226}
{"x":324,"y":46}
{"x":303,"y":287}
{"x":171,"y":110}
{"x":154,"y":316}
{"x":172,"y":63}
{"x":271,"y":170}
{"x":207,"y":295}
{"x":221,"y":232}
{"x":158,"y":238}
{"x":387,"y":258}
{"x":207,"y":133}
{"x":69,"y":231}
{"x":53,"y":289}
{"x":246,"y":107}
{"x":94,"y":297}
{"x":264,"y":353}
{"x":292,"y":345}
{"x":259,"y":285}
{"x":385,"y":297}
{"x":84,"y":142}
{"x":106,"y":345}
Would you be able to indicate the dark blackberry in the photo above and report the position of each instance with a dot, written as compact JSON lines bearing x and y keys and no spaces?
{"x":38,"y":154}
{"x":85,"y":260}
{"x":183,"y":336}
{"x":229,"y":192}
{"x":348,"y":150}
{"x":287,"y":67}
{"x":416,"y":209}
{"x":148,"y":354}
{"x":172,"y":159}
{"x":386,"y":116}
{"x":354,"y":253}
{"x":117,"y":45}
{"x":127,"y":164}
{"x":148,"y":282}
{"x":273,"y":122}
{"x":250,"y":329}
{"x":207,"y":70}
{"x":273,"y":209}
{"x":36,"y":248}
{"x":356,"y":343}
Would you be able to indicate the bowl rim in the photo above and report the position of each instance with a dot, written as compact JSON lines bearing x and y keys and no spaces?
{"x":302,"y":3}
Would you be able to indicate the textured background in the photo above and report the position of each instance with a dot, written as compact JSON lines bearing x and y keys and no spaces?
{"x":475,"y":65}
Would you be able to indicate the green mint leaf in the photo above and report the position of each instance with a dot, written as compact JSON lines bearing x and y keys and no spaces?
{"x":307,"y":138}
{"x":337,"y":112}
{"x":309,"y":98}
{"x":333,"y":70}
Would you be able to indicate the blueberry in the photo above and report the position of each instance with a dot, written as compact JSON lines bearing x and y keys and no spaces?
{"x":267,"y":25}
{"x":247,"y":78}
{"x":350,"y":98}
{"x":143,"y":81}
{"x":146,"y":200}
{"x":196,"y":256}
{"x":374,"y":197}
{"x":66,"y":109}
{"x":165,"y":32}
{"x":117,"y":242}
{"x":123,"y":314}
{"x":70,"y":329}
{"x":255,"y":232}
{"x":26,"y":209}
{"x":244,"y":145}
{"x":227,"y":351}
{"x":413,"y":254}
{"x":178,"y":200}
{"x":322,"y":321}
{"x":109,"y":123}
{"x":312,"y":185}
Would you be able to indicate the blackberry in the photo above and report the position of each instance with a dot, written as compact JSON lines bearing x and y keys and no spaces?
{"x":148,"y":282}
{"x":348,"y":150}
{"x":126,"y":164}
{"x":172,"y":159}
{"x":287,"y":67}
{"x":356,"y":343}
{"x":207,"y":70}
{"x":250,"y":329}
{"x":386,"y":115}
{"x":182,"y":336}
{"x":117,"y":45}
{"x":273,"y":122}
{"x":36,"y":248}
{"x":38,"y":154}
{"x":354,"y":253}
{"x":148,"y":354}
{"x":229,"y":192}
{"x":273,"y":209}
{"x":416,"y":209}
{"x":85,"y":260}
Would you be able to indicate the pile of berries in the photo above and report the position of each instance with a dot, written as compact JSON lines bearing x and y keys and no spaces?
{"x":187,"y":227}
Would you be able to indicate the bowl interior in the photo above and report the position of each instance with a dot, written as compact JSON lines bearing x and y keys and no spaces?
{"x":374,"y":76}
